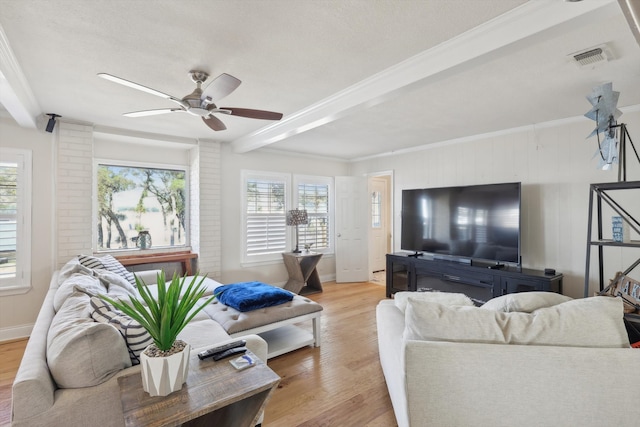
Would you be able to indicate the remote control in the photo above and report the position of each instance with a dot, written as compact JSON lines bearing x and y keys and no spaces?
{"x":215,"y":350}
{"x":229,"y":353}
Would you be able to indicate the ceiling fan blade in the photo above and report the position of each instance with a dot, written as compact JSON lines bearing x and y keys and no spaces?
{"x":220,"y":87}
{"x":253,"y":114}
{"x":144,"y":113}
{"x":214,"y":123}
{"x":137,"y":86}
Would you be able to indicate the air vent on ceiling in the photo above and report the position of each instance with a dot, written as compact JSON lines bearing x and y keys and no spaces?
{"x":592,"y":56}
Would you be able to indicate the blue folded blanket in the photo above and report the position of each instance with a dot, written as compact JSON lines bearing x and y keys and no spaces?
{"x":247,"y":296}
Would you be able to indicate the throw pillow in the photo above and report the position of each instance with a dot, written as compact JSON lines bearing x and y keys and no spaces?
{"x":446,"y":298}
{"x":248,"y":296}
{"x":526,"y":302}
{"x":81,"y":281}
{"x":115,"y":283}
{"x":81,"y":352}
{"x":589,"y":322}
{"x":72,"y":267}
{"x":107,"y":262}
{"x":135,"y":336}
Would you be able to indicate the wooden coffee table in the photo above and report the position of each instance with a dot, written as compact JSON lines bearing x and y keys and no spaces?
{"x":215,"y":394}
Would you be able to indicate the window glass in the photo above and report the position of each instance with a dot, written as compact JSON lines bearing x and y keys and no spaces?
{"x":134,"y":199}
{"x":376,"y":209}
{"x":15,"y":219}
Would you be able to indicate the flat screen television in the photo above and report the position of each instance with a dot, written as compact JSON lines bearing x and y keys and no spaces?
{"x":466,"y":223}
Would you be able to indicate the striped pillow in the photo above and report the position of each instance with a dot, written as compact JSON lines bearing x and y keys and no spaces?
{"x":107,"y":262}
{"x":136,"y":337}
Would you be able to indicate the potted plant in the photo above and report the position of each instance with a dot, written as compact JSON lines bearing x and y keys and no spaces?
{"x":165,"y":363}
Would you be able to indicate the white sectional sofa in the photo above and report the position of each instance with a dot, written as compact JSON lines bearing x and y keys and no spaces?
{"x":447,"y":363}
{"x":69,"y":373}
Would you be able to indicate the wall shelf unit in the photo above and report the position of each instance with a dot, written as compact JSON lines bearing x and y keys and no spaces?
{"x":606,"y":193}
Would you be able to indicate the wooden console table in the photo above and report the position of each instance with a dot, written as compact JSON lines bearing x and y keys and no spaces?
{"x":183,"y":257}
{"x":215,"y":394}
{"x":302,"y":270}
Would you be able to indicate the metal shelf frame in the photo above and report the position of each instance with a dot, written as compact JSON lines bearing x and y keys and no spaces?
{"x":602,"y":193}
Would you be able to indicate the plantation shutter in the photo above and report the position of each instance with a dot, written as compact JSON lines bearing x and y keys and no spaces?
{"x":314,"y":198}
{"x":265,"y":216}
{"x":15,"y":221}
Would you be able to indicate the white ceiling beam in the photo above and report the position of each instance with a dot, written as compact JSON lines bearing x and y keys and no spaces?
{"x":15,"y":93}
{"x":522,"y":22}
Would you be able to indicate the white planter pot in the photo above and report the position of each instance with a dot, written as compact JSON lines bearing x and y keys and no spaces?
{"x":164,"y":375}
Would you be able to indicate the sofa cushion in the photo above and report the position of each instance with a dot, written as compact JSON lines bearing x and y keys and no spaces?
{"x":525,"y":301}
{"x":590,"y":322}
{"x":81,"y":352}
{"x":135,"y":336}
{"x":76,"y":282}
{"x":446,"y":298}
{"x":72,"y":267}
{"x":116,"y":284}
{"x":107,"y":262}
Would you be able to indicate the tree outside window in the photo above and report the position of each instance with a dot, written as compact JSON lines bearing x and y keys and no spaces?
{"x":133,"y":199}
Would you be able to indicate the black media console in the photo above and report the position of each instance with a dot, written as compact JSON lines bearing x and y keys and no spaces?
{"x":480,"y":282}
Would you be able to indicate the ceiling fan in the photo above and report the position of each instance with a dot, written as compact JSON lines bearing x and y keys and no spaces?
{"x":200,"y":102}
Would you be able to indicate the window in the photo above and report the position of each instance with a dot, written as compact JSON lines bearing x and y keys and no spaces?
{"x":313,"y":195}
{"x":135,"y":198}
{"x":376,"y":210}
{"x":265,"y":200}
{"x":15,"y":221}
{"x":267,"y":196}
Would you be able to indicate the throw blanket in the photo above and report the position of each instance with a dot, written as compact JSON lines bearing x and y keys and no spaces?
{"x":247,"y":296}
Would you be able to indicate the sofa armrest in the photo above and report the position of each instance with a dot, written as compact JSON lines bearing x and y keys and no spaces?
{"x":33,"y":388}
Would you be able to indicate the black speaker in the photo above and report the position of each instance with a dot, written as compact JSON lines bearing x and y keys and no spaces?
{"x":52,"y":122}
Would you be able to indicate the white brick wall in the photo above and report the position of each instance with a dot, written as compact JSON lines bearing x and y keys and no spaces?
{"x":74,"y":178}
{"x":205,"y":210}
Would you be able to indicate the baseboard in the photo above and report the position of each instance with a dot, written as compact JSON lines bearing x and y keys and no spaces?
{"x":15,"y":332}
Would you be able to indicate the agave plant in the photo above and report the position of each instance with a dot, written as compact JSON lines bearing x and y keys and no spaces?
{"x":167,"y":315}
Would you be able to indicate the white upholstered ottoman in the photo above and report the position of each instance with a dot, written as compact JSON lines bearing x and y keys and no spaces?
{"x":276,"y":324}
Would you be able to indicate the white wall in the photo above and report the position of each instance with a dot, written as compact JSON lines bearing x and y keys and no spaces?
{"x":262,"y":160}
{"x":18,"y":312}
{"x":553,"y":162}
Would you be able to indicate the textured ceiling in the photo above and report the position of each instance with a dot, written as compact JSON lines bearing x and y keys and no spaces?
{"x":309,"y":59}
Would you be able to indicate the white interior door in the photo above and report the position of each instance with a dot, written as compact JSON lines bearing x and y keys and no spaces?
{"x":352,"y":254}
{"x":378,"y":231}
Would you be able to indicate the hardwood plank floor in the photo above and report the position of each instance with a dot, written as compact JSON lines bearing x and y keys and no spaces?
{"x":337,"y":384}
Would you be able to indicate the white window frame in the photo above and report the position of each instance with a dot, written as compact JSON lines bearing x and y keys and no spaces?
{"x":247,"y":175}
{"x":135,"y":164}
{"x":318,"y":180}
{"x":21,"y":282}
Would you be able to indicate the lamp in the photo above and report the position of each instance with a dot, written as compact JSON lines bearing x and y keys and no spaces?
{"x":296,"y":217}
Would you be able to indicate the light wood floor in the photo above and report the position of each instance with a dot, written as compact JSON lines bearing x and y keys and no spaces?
{"x":338,"y":384}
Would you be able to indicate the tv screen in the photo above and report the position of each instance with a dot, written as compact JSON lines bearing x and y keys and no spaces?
{"x":478,"y":222}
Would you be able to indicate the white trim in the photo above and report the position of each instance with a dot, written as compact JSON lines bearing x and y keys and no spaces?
{"x":124,"y":135}
{"x":16,"y":332}
{"x":18,"y":98}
